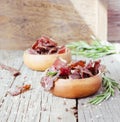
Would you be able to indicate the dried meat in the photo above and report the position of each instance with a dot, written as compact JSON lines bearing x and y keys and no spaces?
{"x":12,"y":70}
{"x":18,"y":90}
{"x":45,"y":45}
{"x":77,"y":70}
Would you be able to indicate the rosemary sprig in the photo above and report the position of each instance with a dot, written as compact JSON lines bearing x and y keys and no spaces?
{"x":109,"y":86}
{"x":96,"y":50}
{"x":51,"y":73}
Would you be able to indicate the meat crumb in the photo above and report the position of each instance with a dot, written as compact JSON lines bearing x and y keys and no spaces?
{"x":59,"y":117}
{"x":66,"y":109}
{"x":75,"y":111}
{"x":12,"y":70}
{"x":18,"y":90}
{"x":44,"y":109}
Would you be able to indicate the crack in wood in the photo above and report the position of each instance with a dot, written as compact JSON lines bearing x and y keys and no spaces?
{"x":76,"y":114}
{"x":41,"y":109}
{"x":17,"y":109}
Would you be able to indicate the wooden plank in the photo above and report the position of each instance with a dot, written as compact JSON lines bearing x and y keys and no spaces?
{"x":107,"y":111}
{"x":102,"y":19}
{"x":114,"y":20}
{"x":13,"y":59}
{"x":35,"y":105}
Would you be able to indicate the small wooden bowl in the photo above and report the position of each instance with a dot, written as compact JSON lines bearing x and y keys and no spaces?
{"x":42,"y":62}
{"x":77,"y":88}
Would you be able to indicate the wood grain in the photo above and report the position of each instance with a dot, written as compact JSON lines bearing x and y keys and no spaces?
{"x":34,"y":105}
{"x":24,"y":21}
{"x":103,"y":111}
{"x":12,"y":59}
{"x":102,"y":23}
{"x":114,"y":20}
{"x":37,"y":105}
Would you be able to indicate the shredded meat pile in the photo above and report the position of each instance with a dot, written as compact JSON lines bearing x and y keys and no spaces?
{"x":75,"y":70}
{"x":46,"y":45}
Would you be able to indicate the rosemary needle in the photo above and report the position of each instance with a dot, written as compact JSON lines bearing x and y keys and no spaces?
{"x":51,"y":73}
{"x":96,"y":50}
{"x":109,"y":86}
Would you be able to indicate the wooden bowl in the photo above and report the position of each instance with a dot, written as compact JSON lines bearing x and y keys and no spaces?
{"x":42,"y":62}
{"x":77,"y":88}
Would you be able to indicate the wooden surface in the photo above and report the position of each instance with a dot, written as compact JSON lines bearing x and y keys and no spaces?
{"x":102,"y":20}
{"x":114,"y":20}
{"x":36,"y":105}
{"x":24,"y":21}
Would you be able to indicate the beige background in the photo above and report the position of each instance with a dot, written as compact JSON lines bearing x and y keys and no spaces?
{"x":114,"y":20}
{"x":24,"y":21}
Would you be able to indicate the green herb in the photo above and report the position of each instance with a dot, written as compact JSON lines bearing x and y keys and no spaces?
{"x":51,"y":73}
{"x":109,"y":86}
{"x":96,"y":50}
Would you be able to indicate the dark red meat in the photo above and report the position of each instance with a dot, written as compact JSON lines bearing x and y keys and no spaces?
{"x":46,"y":45}
{"x":76,"y":70}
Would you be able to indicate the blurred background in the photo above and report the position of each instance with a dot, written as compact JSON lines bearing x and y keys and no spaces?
{"x":24,"y":21}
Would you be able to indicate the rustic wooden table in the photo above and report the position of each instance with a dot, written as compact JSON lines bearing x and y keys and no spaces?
{"x":36,"y":105}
